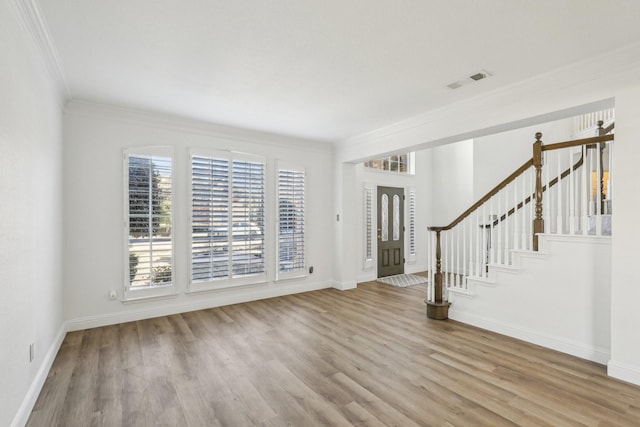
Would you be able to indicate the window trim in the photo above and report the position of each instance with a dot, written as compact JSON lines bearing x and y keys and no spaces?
{"x":301,"y":272}
{"x":130,"y":294}
{"x":230,"y":281}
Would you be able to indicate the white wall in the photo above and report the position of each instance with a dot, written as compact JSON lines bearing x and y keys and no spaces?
{"x":452,"y":177}
{"x":30,"y":219}
{"x":558,"y":298}
{"x":95,"y":137}
{"x":496,"y":156}
{"x":421,"y":182}
{"x":625,"y":294}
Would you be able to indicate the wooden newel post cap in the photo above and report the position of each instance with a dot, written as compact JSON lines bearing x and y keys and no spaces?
{"x":538,"y":136}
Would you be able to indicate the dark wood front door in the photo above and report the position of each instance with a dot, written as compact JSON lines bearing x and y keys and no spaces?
{"x":390,"y":231}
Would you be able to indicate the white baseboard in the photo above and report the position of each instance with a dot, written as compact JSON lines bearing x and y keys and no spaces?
{"x":415,"y":268}
{"x":345,"y":286}
{"x":368,"y":276}
{"x":624,"y":372}
{"x":200,"y":301}
{"x":598,"y":355}
{"x":29,"y":401}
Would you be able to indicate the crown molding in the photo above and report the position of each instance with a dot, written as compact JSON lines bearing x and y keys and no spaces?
{"x":170,"y":122}
{"x":33,"y":23}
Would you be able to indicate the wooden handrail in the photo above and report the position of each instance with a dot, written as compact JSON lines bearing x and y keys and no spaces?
{"x":551,"y":183}
{"x":526,"y":165}
{"x":578,"y":142}
{"x":609,"y":128}
{"x":486,"y":197}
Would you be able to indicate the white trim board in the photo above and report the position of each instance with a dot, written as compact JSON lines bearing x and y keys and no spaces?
{"x":624,"y":372}
{"x":35,"y":26}
{"x":598,"y":355}
{"x":173,"y":122}
{"x":345,"y":286}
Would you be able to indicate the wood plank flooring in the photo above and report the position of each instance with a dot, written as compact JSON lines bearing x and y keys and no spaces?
{"x":364,"y":357}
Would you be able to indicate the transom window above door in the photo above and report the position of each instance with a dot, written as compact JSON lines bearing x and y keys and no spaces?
{"x":398,"y":163}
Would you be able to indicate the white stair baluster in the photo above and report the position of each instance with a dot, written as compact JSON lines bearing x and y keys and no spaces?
{"x":610,"y":182}
{"x":450,"y":263}
{"x":546,"y":195}
{"x":471,"y":249}
{"x":559,"y":213}
{"x":458,"y":276}
{"x":532,"y":203}
{"x":516,"y":222}
{"x":463,"y":226}
{"x":584,"y":193}
{"x":524,"y":238}
{"x":499,"y":225}
{"x":478,"y":244}
{"x":507,"y":252}
{"x":491,"y":242}
{"x":592,"y":202}
{"x":429,"y":269}
{"x":598,"y":193}
{"x":572,"y":196}
{"x":483,"y":225}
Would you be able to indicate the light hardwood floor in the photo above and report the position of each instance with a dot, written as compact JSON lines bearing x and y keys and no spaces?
{"x":367,"y":356}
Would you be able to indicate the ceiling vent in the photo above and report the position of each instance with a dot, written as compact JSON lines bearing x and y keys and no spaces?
{"x":480,"y":75}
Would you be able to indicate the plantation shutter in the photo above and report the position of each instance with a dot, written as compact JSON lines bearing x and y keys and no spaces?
{"x":148,"y":219}
{"x":227,"y":217}
{"x":291,"y":219}
{"x":248,"y":218}
{"x":210,"y":218}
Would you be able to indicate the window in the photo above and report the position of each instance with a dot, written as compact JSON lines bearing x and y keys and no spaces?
{"x":384,"y":220}
{"x":148,"y":219}
{"x":396,"y":217}
{"x":227,"y":219}
{"x":291,"y":217}
{"x":401,"y":163}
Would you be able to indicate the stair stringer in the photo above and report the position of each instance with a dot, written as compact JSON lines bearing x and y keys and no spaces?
{"x":558,"y":297}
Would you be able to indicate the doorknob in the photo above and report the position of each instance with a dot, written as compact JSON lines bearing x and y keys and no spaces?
{"x":379,"y":233}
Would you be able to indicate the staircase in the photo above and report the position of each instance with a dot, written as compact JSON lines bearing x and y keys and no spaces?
{"x":531,"y":259}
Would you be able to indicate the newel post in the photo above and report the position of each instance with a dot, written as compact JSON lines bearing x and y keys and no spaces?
{"x":603,"y":146}
{"x":538,"y":222}
{"x":438,"y":308}
{"x":437,"y":291}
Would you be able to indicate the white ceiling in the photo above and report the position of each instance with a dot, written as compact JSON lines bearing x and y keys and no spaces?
{"x":321,"y":69}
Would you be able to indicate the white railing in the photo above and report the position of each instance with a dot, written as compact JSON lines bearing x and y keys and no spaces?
{"x":588,"y":122}
{"x":576,"y":188}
